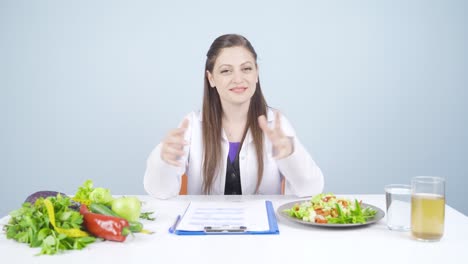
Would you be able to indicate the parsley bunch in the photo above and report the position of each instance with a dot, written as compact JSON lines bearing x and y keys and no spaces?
{"x":147,"y":216}
{"x":31,"y":225}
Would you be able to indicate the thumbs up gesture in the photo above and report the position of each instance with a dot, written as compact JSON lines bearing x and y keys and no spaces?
{"x":282,"y":144}
{"x":173,"y":145}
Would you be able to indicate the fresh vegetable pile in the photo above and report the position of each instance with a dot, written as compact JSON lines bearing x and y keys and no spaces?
{"x":327,"y":208}
{"x":31,"y":224}
{"x":55,"y":222}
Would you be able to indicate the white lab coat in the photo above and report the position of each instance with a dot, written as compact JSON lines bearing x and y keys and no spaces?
{"x":303,"y":176}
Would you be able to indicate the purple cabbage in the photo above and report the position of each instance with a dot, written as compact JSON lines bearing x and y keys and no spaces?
{"x":33,"y":197}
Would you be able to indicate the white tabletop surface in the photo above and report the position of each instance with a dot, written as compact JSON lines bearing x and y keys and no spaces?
{"x":296,"y":243}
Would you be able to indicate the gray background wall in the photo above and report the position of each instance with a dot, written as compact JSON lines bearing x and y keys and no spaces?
{"x":376,"y":90}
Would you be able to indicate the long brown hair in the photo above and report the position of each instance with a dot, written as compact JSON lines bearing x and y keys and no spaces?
{"x":212,"y":114}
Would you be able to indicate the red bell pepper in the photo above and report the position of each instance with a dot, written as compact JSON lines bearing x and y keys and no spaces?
{"x":104,"y":226}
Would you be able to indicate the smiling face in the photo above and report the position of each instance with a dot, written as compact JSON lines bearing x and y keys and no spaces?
{"x":235,"y":76}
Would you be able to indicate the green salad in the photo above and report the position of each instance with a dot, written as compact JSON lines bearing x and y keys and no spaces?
{"x":327,"y":208}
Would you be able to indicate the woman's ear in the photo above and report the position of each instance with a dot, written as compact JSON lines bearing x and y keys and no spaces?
{"x":209,"y":76}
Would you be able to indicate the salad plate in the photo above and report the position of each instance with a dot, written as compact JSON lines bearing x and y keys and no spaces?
{"x":282,"y":212}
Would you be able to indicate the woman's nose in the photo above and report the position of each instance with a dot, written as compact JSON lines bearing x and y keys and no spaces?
{"x":237,"y":77}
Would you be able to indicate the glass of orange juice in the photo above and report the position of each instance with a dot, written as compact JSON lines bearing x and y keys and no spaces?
{"x":427,"y":208}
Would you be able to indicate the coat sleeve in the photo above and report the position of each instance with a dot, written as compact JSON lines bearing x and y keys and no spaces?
{"x":162,"y":180}
{"x":303,"y":176}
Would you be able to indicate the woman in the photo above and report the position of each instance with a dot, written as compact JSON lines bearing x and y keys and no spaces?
{"x":236,"y":144}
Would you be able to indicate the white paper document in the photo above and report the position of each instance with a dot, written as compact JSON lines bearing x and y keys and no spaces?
{"x":251,"y":215}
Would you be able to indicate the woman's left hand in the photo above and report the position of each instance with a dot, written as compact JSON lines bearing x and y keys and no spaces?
{"x":282,"y":144}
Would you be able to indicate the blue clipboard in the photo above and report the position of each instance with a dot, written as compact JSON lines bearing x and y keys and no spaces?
{"x":237,"y":230}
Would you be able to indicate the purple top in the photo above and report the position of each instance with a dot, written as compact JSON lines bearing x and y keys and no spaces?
{"x":233,"y":147}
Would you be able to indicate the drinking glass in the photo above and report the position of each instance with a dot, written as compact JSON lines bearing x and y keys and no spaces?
{"x":427,"y":208}
{"x":398,"y":201}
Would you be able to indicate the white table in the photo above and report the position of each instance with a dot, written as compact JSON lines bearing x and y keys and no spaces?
{"x":296,"y":243}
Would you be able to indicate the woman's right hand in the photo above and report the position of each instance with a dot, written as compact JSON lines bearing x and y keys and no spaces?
{"x":173,"y":145}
